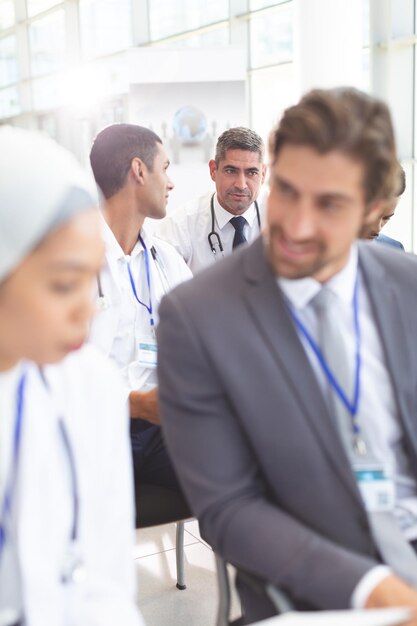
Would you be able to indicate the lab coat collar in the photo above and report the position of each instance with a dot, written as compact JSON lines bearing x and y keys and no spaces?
{"x":113,"y":248}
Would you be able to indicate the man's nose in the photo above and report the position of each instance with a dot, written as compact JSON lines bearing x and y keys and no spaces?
{"x":301,"y":223}
{"x":240,"y":181}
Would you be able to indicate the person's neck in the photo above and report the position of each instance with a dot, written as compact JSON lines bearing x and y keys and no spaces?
{"x":122,"y":216}
{"x":7,"y":363}
{"x":328,"y":272}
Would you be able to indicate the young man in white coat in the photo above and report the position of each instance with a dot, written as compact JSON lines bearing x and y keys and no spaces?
{"x":130,"y":167}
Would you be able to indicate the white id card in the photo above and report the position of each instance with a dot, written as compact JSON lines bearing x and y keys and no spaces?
{"x":377,"y":489}
{"x":147,"y":353}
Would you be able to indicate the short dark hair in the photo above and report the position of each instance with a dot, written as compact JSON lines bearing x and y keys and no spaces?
{"x":347,"y":120}
{"x":113,"y":150}
{"x":238,"y":138}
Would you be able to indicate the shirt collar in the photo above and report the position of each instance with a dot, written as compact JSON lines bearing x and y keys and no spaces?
{"x":223,"y":216}
{"x":113,"y":247}
{"x":300,"y":291}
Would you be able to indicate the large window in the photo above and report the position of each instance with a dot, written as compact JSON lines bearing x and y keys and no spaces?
{"x":37,"y":6}
{"x":271,"y":38}
{"x":7,"y":16}
{"x":216,"y":38}
{"x":260,"y":4}
{"x":106,"y":26}
{"x":9,"y":102}
{"x":47,"y":43}
{"x":167,"y":18}
{"x":272,"y":91}
{"x":8,"y":64}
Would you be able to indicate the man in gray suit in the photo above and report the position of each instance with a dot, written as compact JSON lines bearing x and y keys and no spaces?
{"x":288,"y":376}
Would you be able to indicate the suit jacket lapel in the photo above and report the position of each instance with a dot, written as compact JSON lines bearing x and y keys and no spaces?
{"x":395,"y":336}
{"x":269,"y":310}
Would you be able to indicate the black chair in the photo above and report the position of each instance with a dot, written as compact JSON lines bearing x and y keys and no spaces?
{"x":157,"y":505}
{"x":277,"y":597}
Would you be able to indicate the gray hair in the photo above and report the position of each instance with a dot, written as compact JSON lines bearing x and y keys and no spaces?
{"x":238,"y":138}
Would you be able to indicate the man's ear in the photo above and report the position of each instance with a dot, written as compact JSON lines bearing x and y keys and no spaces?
{"x":263,"y":173}
{"x":137,"y":170}
{"x":373,"y":212}
{"x":213,"y":169}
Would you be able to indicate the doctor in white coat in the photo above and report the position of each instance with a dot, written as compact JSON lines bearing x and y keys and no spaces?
{"x":208,"y":228}
{"x":130,"y":166}
{"x":66,"y":506}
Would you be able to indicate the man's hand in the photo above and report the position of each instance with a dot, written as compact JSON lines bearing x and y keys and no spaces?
{"x":145,"y":405}
{"x":393,"y":592}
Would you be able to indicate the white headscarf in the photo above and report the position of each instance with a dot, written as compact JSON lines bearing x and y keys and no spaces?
{"x":41,"y":186}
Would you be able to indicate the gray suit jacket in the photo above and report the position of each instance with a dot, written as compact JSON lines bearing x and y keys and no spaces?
{"x":249,"y":431}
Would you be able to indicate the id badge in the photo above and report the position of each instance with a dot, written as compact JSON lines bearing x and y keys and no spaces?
{"x":147,"y":353}
{"x":376,"y":487}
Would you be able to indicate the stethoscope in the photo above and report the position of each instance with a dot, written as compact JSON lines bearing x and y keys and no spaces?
{"x":103,"y":302}
{"x":213,"y":234}
{"x":73,"y":567}
{"x":72,"y":570}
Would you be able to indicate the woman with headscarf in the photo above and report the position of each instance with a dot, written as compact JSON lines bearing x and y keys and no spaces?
{"x":66,"y":507}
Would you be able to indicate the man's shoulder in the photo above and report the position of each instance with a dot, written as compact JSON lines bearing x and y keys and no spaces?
{"x":389,"y":241}
{"x":170,"y":257}
{"x":216,"y":283}
{"x":393,"y":260}
{"x":192,"y":208}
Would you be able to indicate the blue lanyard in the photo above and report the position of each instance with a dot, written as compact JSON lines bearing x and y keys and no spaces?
{"x":148,"y":307}
{"x":351,"y":406}
{"x":6,"y":506}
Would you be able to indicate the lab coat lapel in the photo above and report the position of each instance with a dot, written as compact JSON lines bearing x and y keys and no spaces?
{"x":267,"y":306}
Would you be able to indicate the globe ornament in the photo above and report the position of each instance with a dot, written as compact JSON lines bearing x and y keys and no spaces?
{"x":190,"y":125}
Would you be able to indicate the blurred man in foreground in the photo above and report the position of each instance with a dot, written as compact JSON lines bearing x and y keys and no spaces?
{"x":293,"y":429}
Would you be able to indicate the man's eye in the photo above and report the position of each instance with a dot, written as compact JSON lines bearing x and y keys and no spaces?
{"x":63,"y":288}
{"x":286,"y":191}
{"x":330,"y":204}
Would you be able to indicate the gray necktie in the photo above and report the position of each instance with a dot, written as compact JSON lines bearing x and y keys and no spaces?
{"x":393,"y":547}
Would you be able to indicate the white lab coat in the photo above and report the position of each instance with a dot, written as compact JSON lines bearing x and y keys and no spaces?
{"x":120,"y":304}
{"x":86,"y":391}
{"x":187,"y":230}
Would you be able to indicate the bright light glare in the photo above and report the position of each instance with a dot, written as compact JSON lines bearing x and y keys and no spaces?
{"x":84,"y":88}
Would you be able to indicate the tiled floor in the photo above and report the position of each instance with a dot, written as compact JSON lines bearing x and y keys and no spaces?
{"x":161,"y":603}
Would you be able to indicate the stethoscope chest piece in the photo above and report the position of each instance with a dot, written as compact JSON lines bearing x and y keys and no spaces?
{"x":73,"y":570}
{"x":102,"y":303}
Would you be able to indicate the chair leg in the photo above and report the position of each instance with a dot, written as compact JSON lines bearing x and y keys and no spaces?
{"x":179,"y":555}
{"x":223,"y":586}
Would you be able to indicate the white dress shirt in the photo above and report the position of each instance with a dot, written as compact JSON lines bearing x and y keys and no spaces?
{"x":187,"y":229}
{"x":118,"y":329}
{"x":86,"y":392}
{"x":378,"y":412}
